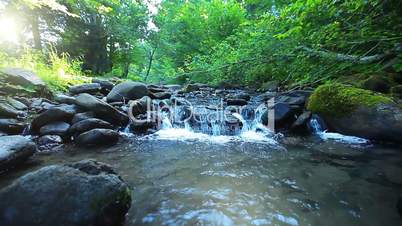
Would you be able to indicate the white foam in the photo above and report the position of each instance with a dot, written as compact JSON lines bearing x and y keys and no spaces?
{"x":342,"y":138}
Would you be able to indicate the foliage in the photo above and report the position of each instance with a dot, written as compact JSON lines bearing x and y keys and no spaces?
{"x":337,"y":99}
{"x":57,"y":71}
{"x":246,"y":42}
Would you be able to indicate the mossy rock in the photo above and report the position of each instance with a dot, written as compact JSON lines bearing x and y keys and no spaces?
{"x":377,"y":83}
{"x":335,"y":99}
{"x":396,"y":91}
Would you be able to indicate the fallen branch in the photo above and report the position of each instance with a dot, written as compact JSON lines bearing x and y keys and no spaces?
{"x":351,"y":58}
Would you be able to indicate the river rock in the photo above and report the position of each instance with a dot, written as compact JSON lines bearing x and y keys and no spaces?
{"x":106,"y":86}
{"x":82,"y":116}
{"x":140,"y":106}
{"x":283,"y":115}
{"x":101,"y":109}
{"x":127,"y":91}
{"x":160,"y":95}
{"x":236,"y":102}
{"x":300,"y":125}
{"x":13,"y":151}
{"x":60,"y":113}
{"x":82,"y":193}
{"x":55,"y":128}
{"x":91,"y":88}
{"x":11,"y":126}
{"x":97,"y":137}
{"x":64,"y":99}
{"x":18,"y":105}
{"x":6,"y":111}
{"x":88,"y":124}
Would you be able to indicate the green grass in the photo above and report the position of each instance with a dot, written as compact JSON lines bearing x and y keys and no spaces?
{"x":56,"y":70}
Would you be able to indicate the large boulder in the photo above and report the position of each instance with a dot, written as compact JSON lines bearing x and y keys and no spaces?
{"x":91,"y":88}
{"x":127,"y":91}
{"x":357,"y":112}
{"x":88,"y":124}
{"x":11,"y":126}
{"x":25,"y":79}
{"x":101,"y":109}
{"x":98,"y":137}
{"x":55,"y":128}
{"x":13,"y":151}
{"x":19,"y":76}
{"x":106,"y":86}
{"x":82,"y":193}
{"x":63,"y":113}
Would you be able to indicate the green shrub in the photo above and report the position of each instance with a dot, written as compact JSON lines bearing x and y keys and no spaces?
{"x":58,"y":71}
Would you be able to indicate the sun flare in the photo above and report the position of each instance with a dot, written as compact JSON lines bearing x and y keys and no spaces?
{"x":8,"y":30}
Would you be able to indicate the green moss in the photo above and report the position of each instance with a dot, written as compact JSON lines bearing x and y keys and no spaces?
{"x":337,"y":99}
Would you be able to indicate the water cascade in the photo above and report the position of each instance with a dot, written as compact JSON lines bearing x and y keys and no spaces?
{"x":317,"y":126}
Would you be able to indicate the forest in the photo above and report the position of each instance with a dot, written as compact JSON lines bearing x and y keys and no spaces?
{"x":244,"y":42}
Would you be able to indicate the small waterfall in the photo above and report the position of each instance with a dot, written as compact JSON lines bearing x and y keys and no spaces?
{"x":216,"y":128}
{"x":317,"y":126}
{"x":166,"y":124}
{"x":243,"y":121}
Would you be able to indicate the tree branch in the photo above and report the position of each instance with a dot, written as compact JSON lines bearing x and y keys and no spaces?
{"x":350,"y":58}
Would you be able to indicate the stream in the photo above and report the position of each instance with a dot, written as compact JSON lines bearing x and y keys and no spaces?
{"x":216,"y":181}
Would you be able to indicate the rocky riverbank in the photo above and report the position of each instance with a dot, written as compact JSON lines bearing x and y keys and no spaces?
{"x":98,"y":113}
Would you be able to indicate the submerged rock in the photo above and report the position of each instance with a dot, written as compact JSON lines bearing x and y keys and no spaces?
{"x":127,"y":91}
{"x":82,"y":193}
{"x":358,"y":112}
{"x":98,"y":137}
{"x":13,"y":151}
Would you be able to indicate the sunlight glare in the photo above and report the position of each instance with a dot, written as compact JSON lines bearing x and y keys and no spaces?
{"x":8,"y":31}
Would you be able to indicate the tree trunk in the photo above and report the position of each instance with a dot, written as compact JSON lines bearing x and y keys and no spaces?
{"x":35,"y":30}
{"x":126,"y":69}
{"x":151,"y":58}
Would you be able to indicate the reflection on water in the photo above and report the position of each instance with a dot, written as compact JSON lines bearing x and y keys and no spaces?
{"x":251,"y":183}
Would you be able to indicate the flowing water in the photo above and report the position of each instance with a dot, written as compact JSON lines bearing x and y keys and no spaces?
{"x":214,"y":175}
{"x":233,"y":181}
